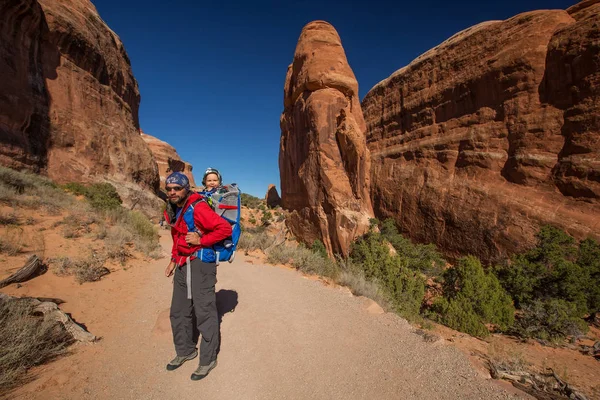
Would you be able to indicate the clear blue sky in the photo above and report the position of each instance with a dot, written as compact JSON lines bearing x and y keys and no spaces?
{"x":213,"y":72}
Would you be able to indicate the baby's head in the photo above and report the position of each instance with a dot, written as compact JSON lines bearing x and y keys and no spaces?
{"x":212,"y":179}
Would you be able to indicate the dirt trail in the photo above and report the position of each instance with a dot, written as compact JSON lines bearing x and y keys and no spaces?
{"x":289,"y":338}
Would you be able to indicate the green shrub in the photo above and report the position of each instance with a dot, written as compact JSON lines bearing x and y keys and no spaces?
{"x":589,"y":259}
{"x":549,"y":320}
{"x":405,"y":287}
{"x":557,"y":276}
{"x":252,"y":220}
{"x":102,"y":196}
{"x":459,"y":316}
{"x":319,"y":248}
{"x":419,"y":257}
{"x":370,"y":253}
{"x":266,"y":218}
{"x":76,"y":188}
{"x":473,"y":298}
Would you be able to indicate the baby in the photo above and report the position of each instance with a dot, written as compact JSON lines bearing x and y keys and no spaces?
{"x":211,"y":180}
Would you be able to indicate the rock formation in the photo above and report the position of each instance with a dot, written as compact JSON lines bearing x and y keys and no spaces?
{"x":323,"y":159}
{"x":69,"y":103}
{"x":167,"y":159}
{"x":494,"y":132}
{"x":272,"y":197}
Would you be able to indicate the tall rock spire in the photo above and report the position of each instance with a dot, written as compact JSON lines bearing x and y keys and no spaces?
{"x":323,"y":157}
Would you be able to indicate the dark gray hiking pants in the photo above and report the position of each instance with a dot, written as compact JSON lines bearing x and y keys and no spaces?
{"x":203,"y":304}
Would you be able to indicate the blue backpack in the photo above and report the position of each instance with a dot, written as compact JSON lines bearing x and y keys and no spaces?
{"x":226,"y":201}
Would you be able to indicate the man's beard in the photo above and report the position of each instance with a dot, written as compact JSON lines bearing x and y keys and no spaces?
{"x":178,"y":201}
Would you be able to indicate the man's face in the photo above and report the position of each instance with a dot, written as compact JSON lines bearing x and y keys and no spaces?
{"x":175,"y":193}
{"x":212,"y":181}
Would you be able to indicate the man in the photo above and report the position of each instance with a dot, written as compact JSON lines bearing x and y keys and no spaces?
{"x":195,"y":227}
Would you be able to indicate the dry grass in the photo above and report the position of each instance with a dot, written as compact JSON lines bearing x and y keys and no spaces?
{"x":117,"y":243}
{"x":359,"y":286}
{"x":78,"y":221}
{"x":136,"y":228}
{"x":303,"y":259}
{"x":30,"y":191}
{"x":255,"y":239}
{"x":26,"y":341}
{"x":10,"y":218}
{"x":11,"y":241}
{"x":89,"y":269}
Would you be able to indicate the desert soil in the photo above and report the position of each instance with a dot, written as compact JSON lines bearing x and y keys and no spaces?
{"x":284,"y":336}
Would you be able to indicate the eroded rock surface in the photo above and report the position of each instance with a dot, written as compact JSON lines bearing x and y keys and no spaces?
{"x":494,"y":132}
{"x":323,"y":158}
{"x":167,"y":159}
{"x":69,"y":102}
{"x":272,"y":197}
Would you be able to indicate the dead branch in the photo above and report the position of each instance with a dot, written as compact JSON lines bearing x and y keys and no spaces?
{"x":537,"y":386}
{"x":50,"y":310}
{"x":567,"y":389}
{"x":31,"y":268}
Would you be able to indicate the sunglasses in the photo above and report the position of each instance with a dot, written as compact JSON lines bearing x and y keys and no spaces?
{"x":175,"y":188}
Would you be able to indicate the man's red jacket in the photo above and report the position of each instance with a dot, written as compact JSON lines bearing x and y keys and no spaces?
{"x":212,"y":227}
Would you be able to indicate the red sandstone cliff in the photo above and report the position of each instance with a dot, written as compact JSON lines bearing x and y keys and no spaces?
{"x":167,"y":159}
{"x":69,"y":103}
{"x":494,"y":132}
{"x":323,"y":159}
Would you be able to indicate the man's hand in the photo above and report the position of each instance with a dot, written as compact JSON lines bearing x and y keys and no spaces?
{"x":170,"y":269}
{"x":192,"y":238}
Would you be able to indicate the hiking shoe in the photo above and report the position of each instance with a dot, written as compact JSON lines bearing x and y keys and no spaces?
{"x":202,"y":371}
{"x":179,"y":360}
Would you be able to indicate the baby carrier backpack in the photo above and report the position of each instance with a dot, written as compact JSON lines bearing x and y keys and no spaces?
{"x":226,"y":201}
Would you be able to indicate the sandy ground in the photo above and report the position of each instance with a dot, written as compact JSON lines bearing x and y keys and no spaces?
{"x":284,"y":336}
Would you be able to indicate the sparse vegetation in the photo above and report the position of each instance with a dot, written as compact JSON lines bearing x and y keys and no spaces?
{"x":99,"y":214}
{"x":9,"y":219}
{"x":304,"y":259}
{"x":101,"y":196}
{"x":255,"y":239}
{"x":266,"y":217}
{"x":11,"y":241}
{"x":26,"y":341}
{"x":88,"y":269}
{"x":250,"y":201}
